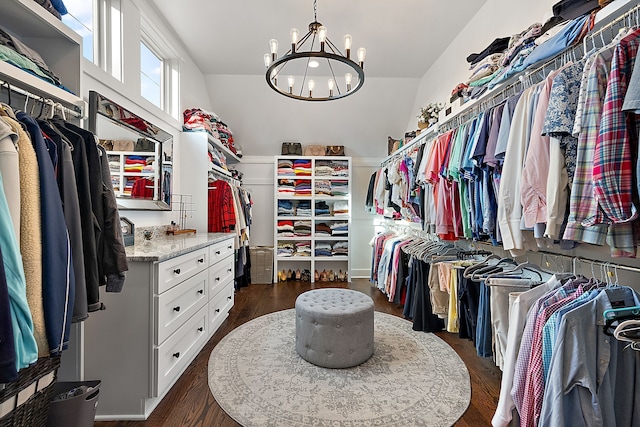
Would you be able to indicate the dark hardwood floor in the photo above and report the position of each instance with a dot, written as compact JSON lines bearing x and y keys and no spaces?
{"x":190,"y":403}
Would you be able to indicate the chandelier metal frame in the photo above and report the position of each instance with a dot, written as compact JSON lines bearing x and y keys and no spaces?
{"x":327,"y":51}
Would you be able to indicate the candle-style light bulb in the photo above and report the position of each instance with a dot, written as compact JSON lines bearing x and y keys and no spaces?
{"x":347,"y":80}
{"x":267,"y":60}
{"x":312,"y":84}
{"x":362,"y":53}
{"x":292,"y":81}
{"x":273,"y":44}
{"x":331,"y":85}
{"x":294,"y":39}
{"x":322,"y":36}
{"x":347,"y":45}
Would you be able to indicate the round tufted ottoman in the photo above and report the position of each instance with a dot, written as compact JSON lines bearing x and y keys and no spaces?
{"x":334,"y":327}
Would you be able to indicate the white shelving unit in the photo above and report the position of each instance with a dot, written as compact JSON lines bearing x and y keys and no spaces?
{"x":313,"y":262}
{"x":119,"y":178}
{"x":192,"y":150}
{"x":59,"y":46}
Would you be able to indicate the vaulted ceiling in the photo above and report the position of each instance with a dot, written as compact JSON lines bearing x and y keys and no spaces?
{"x":402,"y":37}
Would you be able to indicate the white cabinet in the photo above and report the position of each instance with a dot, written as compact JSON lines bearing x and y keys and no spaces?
{"x":179,"y":290}
{"x":313,"y":214}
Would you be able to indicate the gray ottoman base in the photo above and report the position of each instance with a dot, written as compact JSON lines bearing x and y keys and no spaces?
{"x":334,"y":327}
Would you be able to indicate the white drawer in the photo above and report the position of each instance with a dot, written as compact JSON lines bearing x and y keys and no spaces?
{"x":220,"y":275}
{"x":178,"y":304}
{"x":221,"y":250}
{"x":219,"y":308}
{"x":175,"y":270}
{"x":175,"y":354}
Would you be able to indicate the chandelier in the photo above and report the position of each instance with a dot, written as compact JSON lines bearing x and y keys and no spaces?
{"x":305,"y":68}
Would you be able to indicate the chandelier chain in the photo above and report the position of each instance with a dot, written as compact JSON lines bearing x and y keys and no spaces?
{"x":315,"y":10}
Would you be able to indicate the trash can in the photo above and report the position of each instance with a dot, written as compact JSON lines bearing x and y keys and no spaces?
{"x":74,"y":404}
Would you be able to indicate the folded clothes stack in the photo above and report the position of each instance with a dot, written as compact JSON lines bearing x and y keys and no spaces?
{"x":302,"y":228}
{"x":285,"y":208}
{"x":341,"y":208}
{"x":285,"y":249}
{"x":339,"y":228}
{"x":323,"y":229}
{"x":339,"y":188}
{"x":302,"y":187}
{"x":323,"y":188}
{"x":285,"y":167}
{"x":286,"y":187}
{"x":302,"y":167}
{"x":303,"y":248}
{"x":322,"y":209}
{"x":323,"y":249}
{"x":303,"y":208}
{"x":340,"y":249}
{"x":285,"y":229}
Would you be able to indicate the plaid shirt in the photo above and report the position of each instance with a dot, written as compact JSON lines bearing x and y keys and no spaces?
{"x":534,"y":386}
{"x":222,"y":214}
{"x":613,"y":161}
{"x":582,"y":204}
{"x":522,"y":363}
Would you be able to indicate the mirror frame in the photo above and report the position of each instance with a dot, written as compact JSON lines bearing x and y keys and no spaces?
{"x":100,"y":105}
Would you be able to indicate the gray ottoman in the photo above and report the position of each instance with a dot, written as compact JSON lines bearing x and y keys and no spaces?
{"x":334,"y":327}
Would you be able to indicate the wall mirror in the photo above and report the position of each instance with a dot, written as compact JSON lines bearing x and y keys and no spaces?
{"x":140,"y":155}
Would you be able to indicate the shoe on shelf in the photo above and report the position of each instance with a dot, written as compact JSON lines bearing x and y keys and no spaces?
{"x":324,"y":276}
{"x":340,"y":276}
{"x":282,"y":276}
{"x":332,"y":277}
{"x":298,"y":274}
{"x":316,"y":276}
{"x":289,"y":275}
{"x":305,"y":276}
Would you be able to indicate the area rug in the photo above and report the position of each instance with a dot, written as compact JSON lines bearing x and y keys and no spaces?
{"x":412,"y":379}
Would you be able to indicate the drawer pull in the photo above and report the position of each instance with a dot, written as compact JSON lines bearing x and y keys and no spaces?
{"x":176,"y":308}
{"x":201,"y":291}
{"x":200,"y":329}
{"x":177,"y":271}
{"x":229,"y":247}
{"x":217,"y":310}
{"x":228,"y":270}
{"x":217,"y":252}
{"x":229,"y":297}
{"x":176,"y":355}
{"x":217,"y":279}
{"x":201,"y":260}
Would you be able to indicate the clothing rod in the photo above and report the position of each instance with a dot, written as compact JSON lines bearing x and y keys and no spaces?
{"x":531,"y":77}
{"x":226,"y":178}
{"x":75,"y":112}
{"x":592,"y":262}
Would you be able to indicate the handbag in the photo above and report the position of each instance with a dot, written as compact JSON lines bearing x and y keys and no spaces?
{"x":314,"y":150}
{"x":335,"y":150}
{"x":571,"y":9}
{"x":291,"y":149}
{"x":393,"y":144}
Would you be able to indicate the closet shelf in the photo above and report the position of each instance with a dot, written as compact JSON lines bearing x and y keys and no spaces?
{"x":221,"y":170}
{"x":16,"y":76}
{"x":230,"y":155}
{"x":28,"y":19}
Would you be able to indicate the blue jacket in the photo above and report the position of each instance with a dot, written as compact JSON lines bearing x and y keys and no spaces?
{"x":58,"y":284}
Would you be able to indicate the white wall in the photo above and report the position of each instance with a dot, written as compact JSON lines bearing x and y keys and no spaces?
{"x":497,"y":18}
{"x":193,"y":92}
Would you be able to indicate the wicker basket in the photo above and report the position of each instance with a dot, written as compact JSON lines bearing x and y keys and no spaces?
{"x":261,"y":264}
{"x":32,"y":394}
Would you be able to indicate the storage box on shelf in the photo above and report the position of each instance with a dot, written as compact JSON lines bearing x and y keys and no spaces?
{"x":313,"y":214}
{"x":173,"y":302}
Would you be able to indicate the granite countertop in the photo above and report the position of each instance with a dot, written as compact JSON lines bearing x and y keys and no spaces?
{"x":164,"y":247}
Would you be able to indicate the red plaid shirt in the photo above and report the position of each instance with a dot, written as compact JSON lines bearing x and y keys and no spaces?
{"x":221,"y":212}
{"x":615,"y":156}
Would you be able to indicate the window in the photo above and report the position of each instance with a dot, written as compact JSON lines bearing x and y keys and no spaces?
{"x":151,"y":75}
{"x":80,"y":20}
{"x":159,"y":69}
{"x":99,"y":22}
